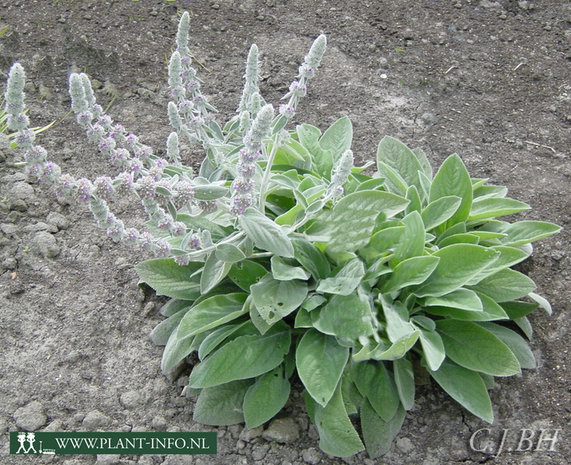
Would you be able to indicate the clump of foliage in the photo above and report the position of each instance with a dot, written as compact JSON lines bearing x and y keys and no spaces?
{"x":283,"y":259}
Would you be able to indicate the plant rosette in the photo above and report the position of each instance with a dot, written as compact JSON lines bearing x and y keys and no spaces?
{"x":282,"y":259}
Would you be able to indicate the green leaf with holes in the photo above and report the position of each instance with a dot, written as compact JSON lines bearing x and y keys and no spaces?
{"x":276,"y":299}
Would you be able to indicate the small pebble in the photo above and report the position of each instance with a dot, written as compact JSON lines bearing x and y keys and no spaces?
{"x":31,"y":417}
{"x":46,"y":245}
{"x":95,"y":420}
{"x":131,"y":400}
{"x":312,"y":456}
{"x":282,"y":430}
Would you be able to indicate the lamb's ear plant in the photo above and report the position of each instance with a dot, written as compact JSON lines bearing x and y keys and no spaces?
{"x":283,"y":261}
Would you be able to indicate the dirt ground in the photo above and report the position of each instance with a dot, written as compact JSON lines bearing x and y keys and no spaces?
{"x":486,"y":79}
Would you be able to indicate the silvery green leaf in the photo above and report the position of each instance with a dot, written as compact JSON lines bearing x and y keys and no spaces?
{"x":415,"y":202}
{"x":209,"y":191}
{"x":337,"y":435}
{"x":276,"y":299}
{"x":337,"y":138}
{"x":266,"y":234}
{"x":379,"y":434}
{"x":345,"y":280}
{"x":168,"y":278}
{"x":221,"y":405}
{"x":458,"y":263}
{"x":320,"y":363}
{"x":217,"y":336}
{"x":213,"y":272}
{"x":397,"y":350}
{"x":284,"y":272}
{"x":414,"y":270}
{"x":245,"y":273}
{"x":352,"y":220}
{"x":423,"y":160}
{"x":211,"y":313}
{"x":491,"y":311}
{"x":244,"y":357}
{"x":515,"y":342}
{"x":542,"y":301}
{"x":452,"y":179}
{"x":464,"y":238}
{"x":505,"y":285}
{"x":313,"y":301}
{"x":346,"y":316}
{"x":376,"y":383}
{"x":494,"y":207}
{"x":229,"y":253}
{"x":439,"y":211}
{"x":411,"y":242}
{"x":433,"y":348}
{"x":471,"y":346}
{"x":462,"y":299}
{"x":465,"y":387}
{"x":311,"y":258}
{"x":393,"y":180}
{"x":322,"y":158}
{"x":524,"y":232}
{"x":509,"y":256}
{"x":400,"y":158}
{"x":404,"y":379}
{"x":161,"y":333}
{"x":266,"y":397}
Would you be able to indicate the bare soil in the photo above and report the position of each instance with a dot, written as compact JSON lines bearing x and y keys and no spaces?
{"x":486,"y":79}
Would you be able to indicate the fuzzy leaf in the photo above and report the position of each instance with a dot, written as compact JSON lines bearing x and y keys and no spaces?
{"x":399,"y":157}
{"x":320,"y":363}
{"x":494,"y":207}
{"x":265,"y":397}
{"x":284,"y":272}
{"x":524,"y":232}
{"x":168,"y":278}
{"x":404,"y":380}
{"x":465,"y":387}
{"x":414,"y":270}
{"x":229,"y":253}
{"x":473,"y":347}
{"x":458,"y":263}
{"x":352,"y":220}
{"x":246,"y":273}
{"x":462,"y":299}
{"x":345,"y":317}
{"x":345,"y":280}
{"x":276,"y":299}
{"x":375,"y":382}
{"x":161,"y":333}
{"x":452,"y":179}
{"x":311,"y":258}
{"x":439,"y":211}
{"x":214,"y":271}
{"x":337,"y":138}
{"x":242,"y":358}
{"x":379,"y":434}
{"x":337,"y":436}
{"x":221,"y":405}
{"x":212,"y":312}
{"x":505,"y":285}
{"x":515,"y":342}
{"x":433,"y":348}
{"x":266,"y":234}
{"x":411,"y":243}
